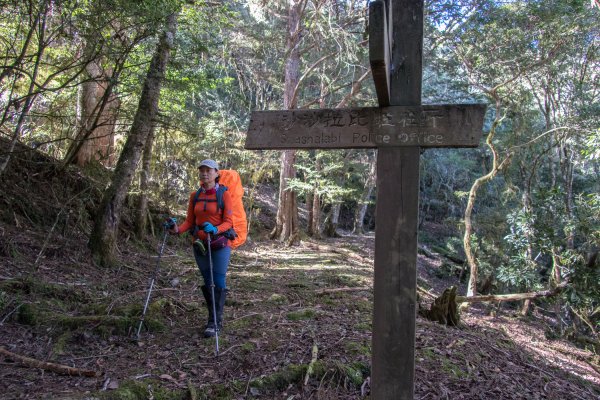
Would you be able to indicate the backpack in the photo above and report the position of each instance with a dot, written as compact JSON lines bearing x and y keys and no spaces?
{"x":230,"y":180}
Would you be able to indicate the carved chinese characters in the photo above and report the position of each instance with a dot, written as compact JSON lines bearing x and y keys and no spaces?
{"x":425,"y":126}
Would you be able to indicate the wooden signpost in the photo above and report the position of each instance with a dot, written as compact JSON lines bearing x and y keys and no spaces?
{"x":398,"y":128}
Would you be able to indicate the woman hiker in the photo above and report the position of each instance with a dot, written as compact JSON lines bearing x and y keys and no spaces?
{"x":204,"y":217}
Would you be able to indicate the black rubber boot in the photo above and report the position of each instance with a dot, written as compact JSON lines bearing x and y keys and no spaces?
{"x":209,"y":330}
{"x":220,"y":296}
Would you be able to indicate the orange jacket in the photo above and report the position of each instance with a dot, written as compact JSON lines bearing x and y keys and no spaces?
{"x":208,"y":212}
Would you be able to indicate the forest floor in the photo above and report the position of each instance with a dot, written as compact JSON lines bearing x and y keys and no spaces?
{"x":65,"y":310}
{"x":284,"y":303}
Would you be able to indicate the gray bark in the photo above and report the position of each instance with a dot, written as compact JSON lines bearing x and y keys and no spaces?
{"x":286,"y":225}
{"x":363,"y":203}
{"x":314,"y":223}
{"x":142,"y":209}
{"x":332,"y":221}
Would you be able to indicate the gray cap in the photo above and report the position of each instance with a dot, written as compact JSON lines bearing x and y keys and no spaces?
{"x":210,"y":164}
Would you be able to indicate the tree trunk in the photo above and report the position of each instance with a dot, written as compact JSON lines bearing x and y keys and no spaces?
{"x":566,"y":166}
{"x":142,"y":209}
{"x":332,"y":220}
{"x":496,"y":167}
{"x":98,"y":117}
{"x":309,"y":209}
{"x":316,"y":211}
{"x":555,"y":275}
{"x":103,"y":238}
{"x":286,"y":224}
{"x":94,"y":140}
{"x":361,"y":208}
{"x":314,"y":228}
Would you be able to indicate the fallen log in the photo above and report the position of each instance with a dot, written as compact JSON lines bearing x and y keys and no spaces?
{"x":58,"y":368}
{"x":363,"y":289}
{"x":512,"y":297}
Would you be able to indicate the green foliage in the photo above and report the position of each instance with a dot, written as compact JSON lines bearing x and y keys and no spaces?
{"x":329,"y":174}
{"x":358,"y":348}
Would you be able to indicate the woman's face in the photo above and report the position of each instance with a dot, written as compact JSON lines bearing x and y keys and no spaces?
{"x":208,"y":175}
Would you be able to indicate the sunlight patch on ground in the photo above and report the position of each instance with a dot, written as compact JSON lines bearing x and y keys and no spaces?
{"x":557,"y":353}
{"x":250,"y":274}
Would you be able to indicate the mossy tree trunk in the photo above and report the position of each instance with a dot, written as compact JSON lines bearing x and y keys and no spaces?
{"x":104,"y":234}
{"x":142,"y":208}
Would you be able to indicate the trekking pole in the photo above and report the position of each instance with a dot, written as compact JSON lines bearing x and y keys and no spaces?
{"x":212,"y":293}
{"x":169,"y":224}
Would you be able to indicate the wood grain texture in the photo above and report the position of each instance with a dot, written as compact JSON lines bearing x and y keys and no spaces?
{"x":457,"y":125}
{"x":395,"y":273}
{"x":394,"y":309}
{"x":379,"y":50}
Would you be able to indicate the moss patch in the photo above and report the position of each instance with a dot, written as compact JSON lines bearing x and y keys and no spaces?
{"x":142,"y":390}
{"x":358,"y":348}
{"x":307,"y":313}
{"x":277,"y":298}
{"x":30,"y":286}
{"x":280,"y":380}
{"x":242,"y":323}
{"x":28,"y":314}
{"x":338,"y":279}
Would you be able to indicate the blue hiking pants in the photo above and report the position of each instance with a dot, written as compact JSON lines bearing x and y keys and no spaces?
{"x":220,"y":261}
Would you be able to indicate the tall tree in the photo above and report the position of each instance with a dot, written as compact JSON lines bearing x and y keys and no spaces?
{"x":99,"y":106}
{"x":142,"y":207}
{"x":533,"y":36}
{"x":106,"y":223}
{"x":365,"y":197}
{"x":286,"y":223}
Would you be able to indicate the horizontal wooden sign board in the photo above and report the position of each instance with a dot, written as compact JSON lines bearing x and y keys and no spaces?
{"x":456,"y":125}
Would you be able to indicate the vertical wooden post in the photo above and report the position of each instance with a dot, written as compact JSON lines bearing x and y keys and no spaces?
{"x":393,"y":361}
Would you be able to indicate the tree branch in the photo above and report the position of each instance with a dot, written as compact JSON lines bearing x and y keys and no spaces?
{"x":58,"y":368}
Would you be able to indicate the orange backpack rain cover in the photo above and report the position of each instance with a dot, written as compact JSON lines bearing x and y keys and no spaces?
{"x":232,"y":180}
